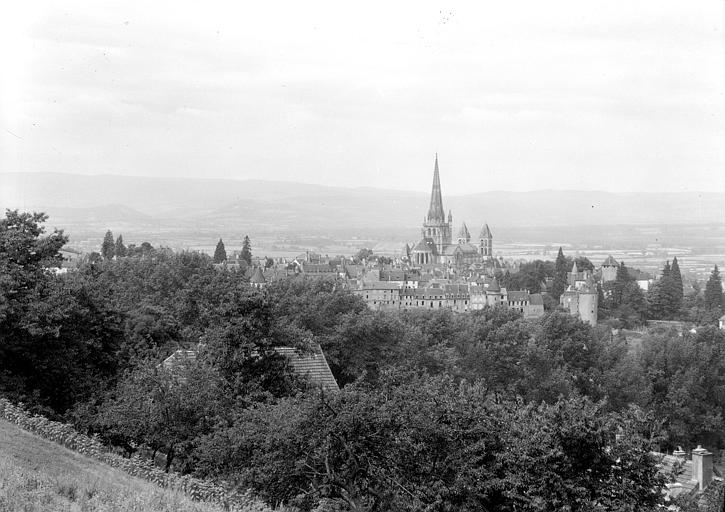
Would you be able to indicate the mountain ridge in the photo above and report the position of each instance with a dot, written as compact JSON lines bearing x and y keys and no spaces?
{"x":76,"y":198}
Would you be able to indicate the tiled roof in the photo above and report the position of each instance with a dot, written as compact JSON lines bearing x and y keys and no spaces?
{"x":380,"y":285}
{"x":392,"y":275}
{"x":319,"y":268}
{"x":518,"y":295}
{"x":425,"y":245}
{"x":312,"y":365}
{"x":536,"y":299}
{"x":681,"y":470}
{"x":179,"y":358}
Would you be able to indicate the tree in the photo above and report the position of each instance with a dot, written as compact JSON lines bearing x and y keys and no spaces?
{"x":165,"y":408}
{"x":713,"y":295}
{"x":665,"y":296}
{"x":678,"y":288}
{"x":362,"y":254}
{"x":120,"y":249}
{"x":433,"y":444}
{"x":246,"y":254}
{"x":58,"y":340}
{"x":560,"y":272}
{"x":220,"y":253}
{"x":108,"y":248}
{"x":620,"y":281}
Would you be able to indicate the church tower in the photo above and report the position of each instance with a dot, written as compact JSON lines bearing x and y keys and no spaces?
{"x":486,"y":241}
{"x":464,"y":236}
{"x":435,"y":226}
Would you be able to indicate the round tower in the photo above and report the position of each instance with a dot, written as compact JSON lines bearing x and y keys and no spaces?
{"x":588,"y":305}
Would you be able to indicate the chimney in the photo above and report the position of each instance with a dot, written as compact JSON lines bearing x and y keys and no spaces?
{"x":679,"y":453}
{"x":701,"y":466}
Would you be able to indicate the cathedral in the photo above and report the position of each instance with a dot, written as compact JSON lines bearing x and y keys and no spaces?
{"x":437,"y":247}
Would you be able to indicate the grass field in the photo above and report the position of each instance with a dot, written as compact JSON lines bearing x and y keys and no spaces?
{"x":39,"y":475}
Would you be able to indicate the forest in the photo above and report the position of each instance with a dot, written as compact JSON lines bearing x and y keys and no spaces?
{"x":437,"y":410}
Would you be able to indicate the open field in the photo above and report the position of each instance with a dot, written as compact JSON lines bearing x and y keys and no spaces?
{"x":39,"y":475}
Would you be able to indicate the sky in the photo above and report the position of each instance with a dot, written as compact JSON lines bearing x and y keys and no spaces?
{"x":516,"y":95}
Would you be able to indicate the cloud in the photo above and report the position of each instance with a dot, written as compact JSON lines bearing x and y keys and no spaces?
{"x":519,"y":95}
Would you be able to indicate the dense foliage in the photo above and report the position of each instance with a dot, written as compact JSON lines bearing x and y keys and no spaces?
{"x":439,"y":410}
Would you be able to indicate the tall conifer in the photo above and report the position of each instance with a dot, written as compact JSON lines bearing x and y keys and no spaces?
{"x":220,"y":253}
{"x":560,"y":270}
{"x":120,"y":249}
{"x":108,"y":247}
{"x":676,"y":287}
{"x":713,"y":293}
{"x":246,"y":254}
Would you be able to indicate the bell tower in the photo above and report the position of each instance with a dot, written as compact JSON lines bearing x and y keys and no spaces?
{"x":486,"y":243}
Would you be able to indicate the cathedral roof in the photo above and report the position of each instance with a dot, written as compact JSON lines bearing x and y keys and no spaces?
{"x":486,"y":232}
{"x":468,"y":248}
{"x":464,"y":234}
{"x":425,"y":245}
{"x":435,"y":211}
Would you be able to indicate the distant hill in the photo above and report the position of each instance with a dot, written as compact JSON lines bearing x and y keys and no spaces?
{"x":77,"y":200}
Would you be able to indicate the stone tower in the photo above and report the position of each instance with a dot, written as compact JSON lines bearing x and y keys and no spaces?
{"x":435,"y":226}
{"x":486,"y":241}
{"x":589,"y":302}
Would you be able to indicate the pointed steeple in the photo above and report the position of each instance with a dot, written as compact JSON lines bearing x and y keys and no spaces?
{"x":574,"y":269}
{"x":464,"y":236}
{"x":436,"y":211}
{"x":485,"y":232}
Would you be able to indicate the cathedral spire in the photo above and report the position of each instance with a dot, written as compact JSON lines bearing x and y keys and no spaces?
{"x":436,"y":212}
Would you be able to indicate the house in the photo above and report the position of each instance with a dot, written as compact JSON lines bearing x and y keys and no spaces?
{"x":722,"y":322}
{"x":311,"y":365}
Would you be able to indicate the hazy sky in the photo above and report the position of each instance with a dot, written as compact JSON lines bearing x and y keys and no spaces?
{"x":608,"y":95}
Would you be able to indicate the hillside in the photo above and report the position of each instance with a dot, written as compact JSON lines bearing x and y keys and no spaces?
{"x":39,"y":475}
{"x":193,"y":204}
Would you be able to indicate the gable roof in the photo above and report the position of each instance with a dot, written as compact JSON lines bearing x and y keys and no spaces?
{"x":425,"y":245}
{"x":311,"y":365}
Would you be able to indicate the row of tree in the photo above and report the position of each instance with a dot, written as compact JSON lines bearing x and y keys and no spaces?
{"x":220,"y":252}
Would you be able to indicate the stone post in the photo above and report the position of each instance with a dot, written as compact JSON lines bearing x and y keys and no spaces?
{"x":701,"y":466}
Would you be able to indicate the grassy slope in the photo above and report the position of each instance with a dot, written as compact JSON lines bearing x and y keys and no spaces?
{"x":39,"y":475}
